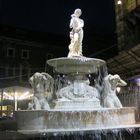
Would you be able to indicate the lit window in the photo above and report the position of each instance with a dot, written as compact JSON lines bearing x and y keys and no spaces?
{"x":25,"y":54}
{"x":11,"y":52}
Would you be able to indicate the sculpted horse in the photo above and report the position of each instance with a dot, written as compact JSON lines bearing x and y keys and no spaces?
{"x":40,"y":82}
{"x":110,"y":98}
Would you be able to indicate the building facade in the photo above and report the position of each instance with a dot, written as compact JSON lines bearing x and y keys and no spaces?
{"x":20,"y":58}
{"x":21,"y":55}
{"x":127,"y":23}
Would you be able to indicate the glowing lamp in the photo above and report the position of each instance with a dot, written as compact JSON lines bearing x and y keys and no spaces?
{"x":119,"y":2}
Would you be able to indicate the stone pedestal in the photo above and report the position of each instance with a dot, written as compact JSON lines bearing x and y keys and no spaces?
{"x":63,"y":104}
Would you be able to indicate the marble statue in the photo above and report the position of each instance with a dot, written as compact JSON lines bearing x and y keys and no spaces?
{"x":78,"y":90}
{"x":76,"y":34}
{"x":109,"y":92}
{"x":40,"y":82}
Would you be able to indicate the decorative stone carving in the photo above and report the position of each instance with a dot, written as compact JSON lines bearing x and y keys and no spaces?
{"x":40,"y":82}
{"x":76,"y":34}
{"x":78,"y":93}
{"x":110,"y":84}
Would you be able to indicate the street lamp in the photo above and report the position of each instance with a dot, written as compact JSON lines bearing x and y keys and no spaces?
{"x":119,"y":2}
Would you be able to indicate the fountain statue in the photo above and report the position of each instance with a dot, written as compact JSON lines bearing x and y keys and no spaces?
{"x":40,"y":82}
{"x":78,"y":105}
{"x":110,"y":98}
{"x":76,"y":35}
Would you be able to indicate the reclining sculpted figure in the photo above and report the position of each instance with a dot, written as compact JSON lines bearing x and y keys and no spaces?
{"x":40,"y":82}
{"x":110,"y":84}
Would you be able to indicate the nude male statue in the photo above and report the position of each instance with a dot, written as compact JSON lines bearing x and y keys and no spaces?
{"x":76,"y":34}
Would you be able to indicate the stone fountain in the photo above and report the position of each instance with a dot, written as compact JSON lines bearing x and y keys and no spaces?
{"x":77,"y":105}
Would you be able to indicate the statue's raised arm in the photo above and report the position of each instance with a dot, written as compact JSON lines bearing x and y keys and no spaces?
{"x":76,"y":34}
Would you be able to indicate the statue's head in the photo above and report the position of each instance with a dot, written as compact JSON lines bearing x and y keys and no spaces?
{"x":116,"y":80}
{"x":78,"y":12}
{"x":37,"y":75}
{"x":37,"y":78}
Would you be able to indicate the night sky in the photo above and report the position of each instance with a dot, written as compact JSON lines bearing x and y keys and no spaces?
{"x":54,"y":15}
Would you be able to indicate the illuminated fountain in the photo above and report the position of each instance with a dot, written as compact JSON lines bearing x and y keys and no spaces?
{"x":76,"y":104}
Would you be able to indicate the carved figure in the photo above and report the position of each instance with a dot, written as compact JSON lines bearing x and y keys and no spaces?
{"x":76,"y":34}
{"x":110,"y":84}
{"x":40,"y":82}
{"x":78,"y":91}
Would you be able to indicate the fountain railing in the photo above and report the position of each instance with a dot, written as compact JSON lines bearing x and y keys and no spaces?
{"x":131,"y":99}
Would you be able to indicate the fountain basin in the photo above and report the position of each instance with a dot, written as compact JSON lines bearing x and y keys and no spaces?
{"x":53,"y":120}
{"x":76,"y":64}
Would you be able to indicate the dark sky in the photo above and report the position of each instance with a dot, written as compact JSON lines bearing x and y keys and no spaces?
{"x":53,"y":16}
